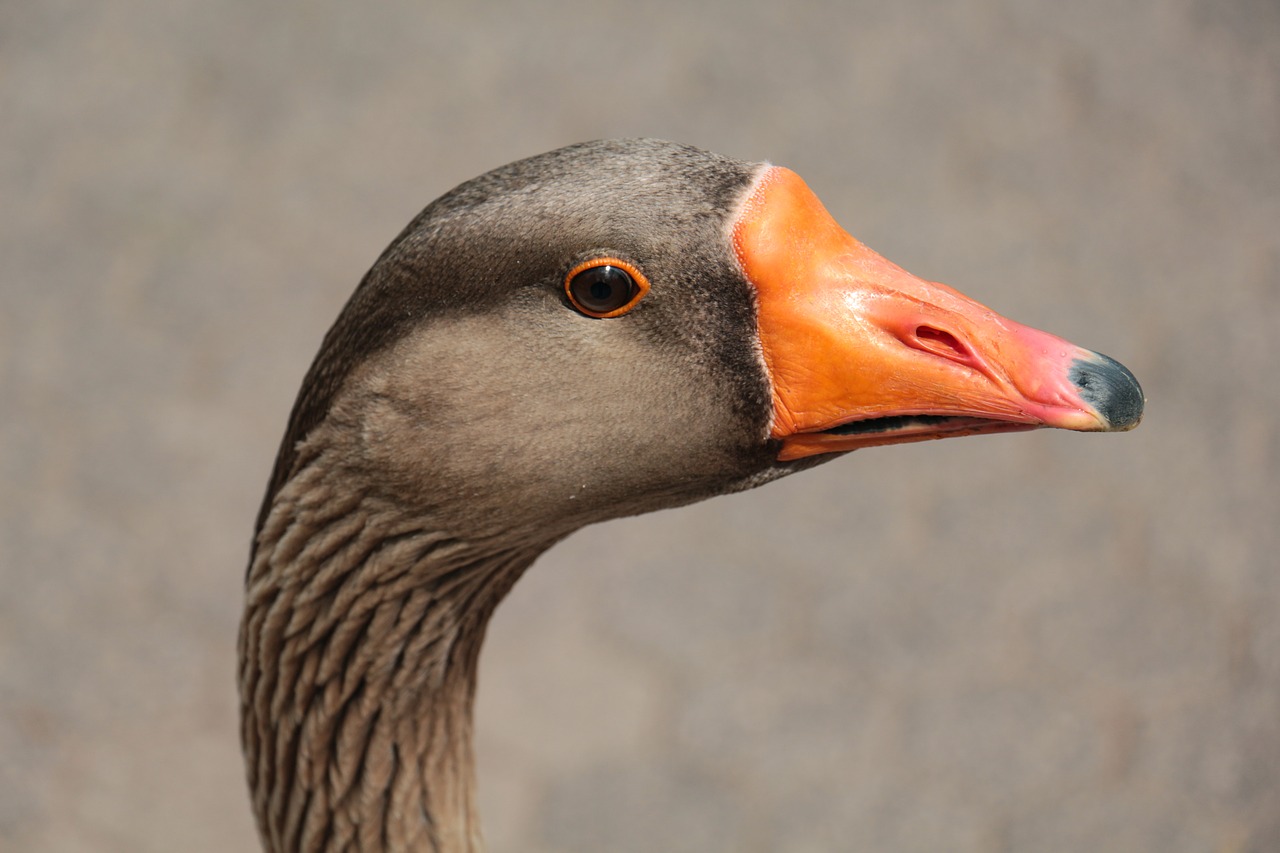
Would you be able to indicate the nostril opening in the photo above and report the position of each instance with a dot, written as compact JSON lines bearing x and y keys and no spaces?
{"x":941,"y":343}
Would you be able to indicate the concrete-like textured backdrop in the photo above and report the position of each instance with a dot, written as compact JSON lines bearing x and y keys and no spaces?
{"x":1039,"y":642}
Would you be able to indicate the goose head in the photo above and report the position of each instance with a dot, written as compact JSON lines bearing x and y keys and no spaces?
{"x":752,"y":337}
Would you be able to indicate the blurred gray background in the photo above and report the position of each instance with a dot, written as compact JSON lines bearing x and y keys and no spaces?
{"x":1039,"y":642}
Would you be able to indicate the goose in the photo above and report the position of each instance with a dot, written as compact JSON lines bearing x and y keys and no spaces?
{"x":598,"y":331}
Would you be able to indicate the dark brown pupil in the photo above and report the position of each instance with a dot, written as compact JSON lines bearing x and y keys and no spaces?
{"x":602,"y":289}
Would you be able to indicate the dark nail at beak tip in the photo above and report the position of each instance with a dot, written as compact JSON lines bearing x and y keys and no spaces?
{"x":1111,"y":389}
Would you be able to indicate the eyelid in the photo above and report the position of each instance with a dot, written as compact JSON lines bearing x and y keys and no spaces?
{"x":641,"y":282}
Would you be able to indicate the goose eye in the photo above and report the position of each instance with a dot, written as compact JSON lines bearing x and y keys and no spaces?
{"x":605,"y":287}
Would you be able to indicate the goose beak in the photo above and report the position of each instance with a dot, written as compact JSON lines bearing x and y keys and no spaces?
{"x":862,"y":353}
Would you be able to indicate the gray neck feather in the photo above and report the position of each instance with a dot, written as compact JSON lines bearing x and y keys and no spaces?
{"x":358,"y":648}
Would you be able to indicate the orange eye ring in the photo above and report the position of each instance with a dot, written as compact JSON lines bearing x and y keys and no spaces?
{"x":605,"y":287}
